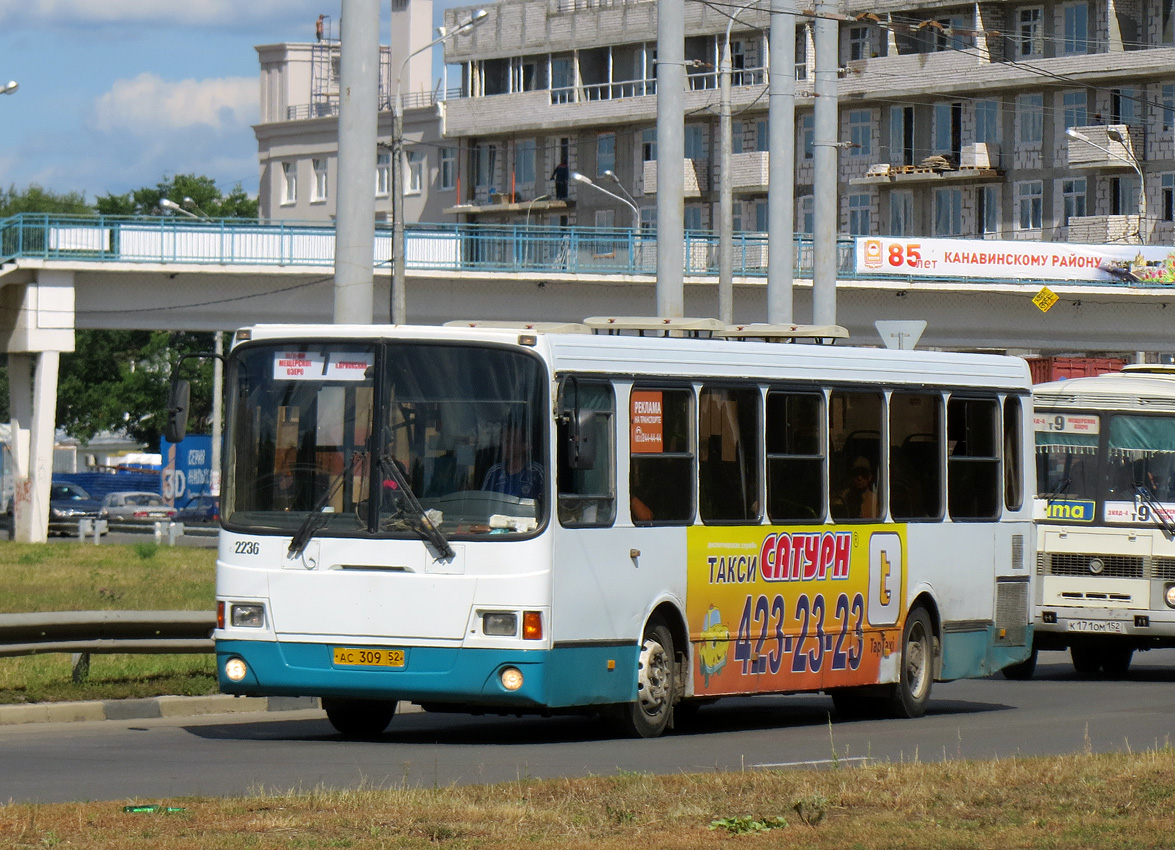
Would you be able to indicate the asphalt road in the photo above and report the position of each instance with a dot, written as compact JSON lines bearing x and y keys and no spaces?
{"x":1057,"y":712}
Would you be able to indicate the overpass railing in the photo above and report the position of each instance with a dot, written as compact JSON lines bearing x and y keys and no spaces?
{"x":519,"y":248}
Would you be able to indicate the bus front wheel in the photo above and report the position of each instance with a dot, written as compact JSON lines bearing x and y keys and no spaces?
{"x":911,"y":693}
{"x":359,"y":718}
{"x":656,"y":684}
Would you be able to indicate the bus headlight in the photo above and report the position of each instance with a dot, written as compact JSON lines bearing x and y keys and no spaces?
{"x":499,"y":624}
{"x":235,"y":669}
{"x":248,"y":616}
{"x":511,"y":678}
{"x":1169,"y":595}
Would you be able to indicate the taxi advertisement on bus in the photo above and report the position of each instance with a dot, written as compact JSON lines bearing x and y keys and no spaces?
{"x":779,"y":608}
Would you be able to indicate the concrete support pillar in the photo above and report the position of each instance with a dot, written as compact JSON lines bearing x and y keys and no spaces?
{"x":36,"y":325}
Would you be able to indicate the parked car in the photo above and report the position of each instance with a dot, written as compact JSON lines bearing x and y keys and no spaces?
{"x":199,"y":510}
{"x":134,"y":505}
{"x":69,"y":503}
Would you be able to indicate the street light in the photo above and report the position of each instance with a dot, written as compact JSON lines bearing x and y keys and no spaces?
{"x":587,"y":181}
{"x":399,"y":307}
{"x":169,"y":204}
{"x":192,"y":205}
{"x":1114,"y":134}
{"x":530,"y":206}
{"x":611,"y":175}
{"x":10,"y":87}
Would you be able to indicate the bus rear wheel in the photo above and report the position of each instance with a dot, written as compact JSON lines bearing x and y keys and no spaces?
{"x":1086,"y":660}
{"x":911,"y":693}
{"x":1023,"y":671}
{"x":359,"y":718}
{"x":656,"y":686}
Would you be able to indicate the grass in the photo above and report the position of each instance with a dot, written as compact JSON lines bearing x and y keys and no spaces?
{"x":1069,"y":803}
{"x":84,"y":577}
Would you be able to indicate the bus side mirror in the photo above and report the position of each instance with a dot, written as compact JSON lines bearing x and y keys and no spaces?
{"x":581,"y":439}
{"x":177,"y":411}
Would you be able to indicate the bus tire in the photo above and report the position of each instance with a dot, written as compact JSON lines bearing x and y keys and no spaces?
{"x":1023,"y":671}
{"x":1116,"y":660}
{"x":656,"y":685}
{"x":1086,"y":659}
{"x":359,"y":718}
{"x":911,"y":693}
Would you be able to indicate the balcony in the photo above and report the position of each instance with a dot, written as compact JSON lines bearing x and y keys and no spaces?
{"x":977,"y":163}
{"x":697,"y":177}
{"x":1104,"y":146}
{"x":748,"y":171}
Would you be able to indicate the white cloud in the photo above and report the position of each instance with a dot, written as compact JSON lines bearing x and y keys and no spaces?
{"x":215,"y":13}
{"x":147,"y":105}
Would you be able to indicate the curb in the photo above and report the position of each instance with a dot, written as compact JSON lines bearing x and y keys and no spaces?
{"x":154,"y":707}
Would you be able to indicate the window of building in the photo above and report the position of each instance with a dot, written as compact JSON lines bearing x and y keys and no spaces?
{"x":1030,"y":32}
{"x":318,"y":195}
{"x":943,"y":128}
{"x":605,"y":153}
{"x":807,"y":134}
{"x":587,"y":494}
{"x":736,"y":216}
{"x":946,"y":35}
{"x":901,"y":135}
{"x":692,"y":219}
{"x":1167,"y":181}
{"x":807,"y":216}
{"x":856,"y":484}
{"x":795,"y":456}
{"x":1124,"y":198}
{"x":415,"y":182}
{"x":1168,"y":106}
{"x":1074,"y":108}
{"x":448,"y":168}
{"x":859,"y":215}
{"x":383,"y":171}
{"x":860,"y":43}
{"x":1076,"y":28}
{"x":605,"y":218}
{"x":987,"y":122}
{"x":915,"y":456}
{"x":1124,"y":106}
{"x":737,"y":128}
{"x":1030,"y":200}
{"x":1030,"y":117}
{"x":485,"y":160}
{"x":973,"y":467}
{"x":649,"y":145}
{"x":1073,"y":197}
{"x":695,"y":142}
{"x":762,"y":138}
{"x":948,"y":212}
{"x":728,"y":454}
{"x":562,"y":80}
{"x":289,"y":182}
{"x":761,"y":216}
{"x":524,"y":160}
{"x":901,"y":213}
{"x":661,"y":459}
{"x":861,"y":132}
{"x":1167,"y":23}
{"x":988,"y":215}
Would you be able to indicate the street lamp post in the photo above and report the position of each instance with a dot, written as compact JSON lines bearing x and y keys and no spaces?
{"x":1115,"y":135}
{"x":636,"y":213}
{"x":169,"y":204}
{"x":399,"y":306}
{"x":9,"y":87}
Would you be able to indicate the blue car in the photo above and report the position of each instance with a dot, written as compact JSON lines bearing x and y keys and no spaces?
{"x":69,"y":503}
{"x":199,"y":510}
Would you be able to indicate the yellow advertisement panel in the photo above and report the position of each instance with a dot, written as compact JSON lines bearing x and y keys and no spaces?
{"x":782,"y":609}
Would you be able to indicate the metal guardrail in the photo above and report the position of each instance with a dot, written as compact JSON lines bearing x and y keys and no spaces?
{"x":85,"y":633}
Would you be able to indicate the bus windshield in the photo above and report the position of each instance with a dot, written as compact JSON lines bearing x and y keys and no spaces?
{"x":363,"y":437}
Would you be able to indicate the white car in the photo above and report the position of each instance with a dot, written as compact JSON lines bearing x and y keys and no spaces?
{"x":132,"y":506}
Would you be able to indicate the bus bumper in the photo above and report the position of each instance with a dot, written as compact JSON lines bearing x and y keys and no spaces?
{"x":551,"y":678}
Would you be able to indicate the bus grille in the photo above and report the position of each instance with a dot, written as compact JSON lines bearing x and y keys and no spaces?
{"x":1113,"y":566}
{"x":1011,"y":613}
{"x":1163,"y":568}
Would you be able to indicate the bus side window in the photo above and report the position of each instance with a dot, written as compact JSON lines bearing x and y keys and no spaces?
{"x":857,"y":477}
{"x":1013,"y":451}
{"x":915,"y":456}
{"x":728,"y":454}
{"x":973,"y":468}
{"x":795,"y":456}
{"x":661,"y":460}
{"x":587,"y":496}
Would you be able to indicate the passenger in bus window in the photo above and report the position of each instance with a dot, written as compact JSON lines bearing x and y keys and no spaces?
{"x":859,"y":500}
{"x":514,"y":475}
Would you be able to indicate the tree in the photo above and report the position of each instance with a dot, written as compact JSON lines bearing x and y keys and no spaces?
{"x":34,"y":199}
{"x":197,"y":194}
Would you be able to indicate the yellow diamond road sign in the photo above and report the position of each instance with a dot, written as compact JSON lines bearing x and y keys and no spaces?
{"x":1045,"y":299}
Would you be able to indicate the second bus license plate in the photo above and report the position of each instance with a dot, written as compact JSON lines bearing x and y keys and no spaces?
{"x":355,"y":657}
{"x":1113,"y":627}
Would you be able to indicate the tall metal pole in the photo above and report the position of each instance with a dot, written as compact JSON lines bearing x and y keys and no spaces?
{"x":824,"y":159}
{"x":725,"y":189}
{"x":781,"y":142}
{"x":355,"y":209}
{"x":399,"y":296}
{"x":217,"y":409}
{"x":671,"y":158}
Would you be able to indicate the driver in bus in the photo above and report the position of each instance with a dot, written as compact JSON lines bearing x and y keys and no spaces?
{"x":514,"y":475}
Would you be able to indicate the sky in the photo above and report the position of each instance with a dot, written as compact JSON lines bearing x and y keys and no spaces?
{"x":119,"y":94}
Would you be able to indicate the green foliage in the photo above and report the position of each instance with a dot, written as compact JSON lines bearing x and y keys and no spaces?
{"x":747,"y":824}
{"x":34,"y":199}
{"x":146,"y":551}
{"x":194,"y":193}
{"x":811,"y":809}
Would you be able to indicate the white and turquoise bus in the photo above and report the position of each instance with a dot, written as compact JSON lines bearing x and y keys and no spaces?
{"x":1106,"y":509}
{"x":534,"y":519}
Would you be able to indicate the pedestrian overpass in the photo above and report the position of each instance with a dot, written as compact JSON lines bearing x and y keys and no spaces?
{"x":59,"y":273}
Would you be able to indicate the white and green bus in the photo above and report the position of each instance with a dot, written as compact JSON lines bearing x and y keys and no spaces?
{"x":550,"y":519}
{"x":1105,"y":451}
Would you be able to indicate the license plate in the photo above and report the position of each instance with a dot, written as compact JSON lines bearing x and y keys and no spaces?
{"x":354,"y":657}
{"x":1107,"y":627}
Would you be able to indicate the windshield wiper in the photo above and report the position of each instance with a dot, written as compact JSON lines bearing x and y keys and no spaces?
{"x":1158,"y":512}
{"x":1060,"y":490}
{"x":415,"y":517}
{"x":315,"y":520}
